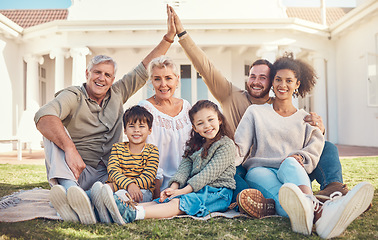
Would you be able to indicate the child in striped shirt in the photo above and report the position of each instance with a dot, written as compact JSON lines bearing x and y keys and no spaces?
{"x":132,"y":165}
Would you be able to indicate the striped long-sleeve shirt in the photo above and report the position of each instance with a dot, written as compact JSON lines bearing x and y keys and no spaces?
{"x":125,"y":167}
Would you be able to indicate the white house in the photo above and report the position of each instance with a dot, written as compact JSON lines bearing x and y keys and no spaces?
{"x":37,"y":61}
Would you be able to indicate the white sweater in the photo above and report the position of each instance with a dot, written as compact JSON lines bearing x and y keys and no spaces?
{"x":273,"y":138}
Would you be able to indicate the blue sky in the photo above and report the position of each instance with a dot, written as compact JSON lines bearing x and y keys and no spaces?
{"x":44,"y":4}
{"x":34,"y":4}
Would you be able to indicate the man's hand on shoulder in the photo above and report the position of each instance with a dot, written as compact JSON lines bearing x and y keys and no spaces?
{"x":75,"y":162}
{"x":315,"y":120}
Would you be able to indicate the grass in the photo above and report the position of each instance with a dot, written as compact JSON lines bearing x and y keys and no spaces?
{"x":16,"y":177}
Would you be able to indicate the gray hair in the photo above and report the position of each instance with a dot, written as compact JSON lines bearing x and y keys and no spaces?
{"x":163,"y":62}
{"x":101,"y":59}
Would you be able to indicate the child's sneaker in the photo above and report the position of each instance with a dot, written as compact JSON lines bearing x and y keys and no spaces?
{"x":254,"y":204}
{"x":81,"y":204}
{"x":99,"y":203}
{"x":126,"y":209}
{"x":58,"y":199}
{"x":340,"y":211}
{"x":108,"y":199}
{"x":121,"y":211}
{"x":299,"y":207}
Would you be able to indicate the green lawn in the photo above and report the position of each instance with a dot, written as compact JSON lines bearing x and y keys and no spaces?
{"x":16,"y":177}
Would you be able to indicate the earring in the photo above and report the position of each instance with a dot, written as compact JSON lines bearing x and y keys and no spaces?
{"x":272,"y":89}
{"x":296,"y":92}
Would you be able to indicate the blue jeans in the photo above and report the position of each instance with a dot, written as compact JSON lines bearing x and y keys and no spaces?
{"x":328,"y":170}
{"x":241,"y":184}
{"x":329,"y":167}
{"x":205,"y":201}
{"x":269,"y":180}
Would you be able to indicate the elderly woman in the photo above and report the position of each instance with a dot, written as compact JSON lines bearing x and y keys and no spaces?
{"x":171,"y":125}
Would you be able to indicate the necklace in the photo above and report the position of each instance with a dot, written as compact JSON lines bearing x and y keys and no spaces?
{"x":156,"y":101}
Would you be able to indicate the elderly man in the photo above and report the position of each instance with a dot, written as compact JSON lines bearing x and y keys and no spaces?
{"x":80,"y":126}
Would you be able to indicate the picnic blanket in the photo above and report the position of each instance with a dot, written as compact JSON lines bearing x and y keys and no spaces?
{"x":32,"y":204}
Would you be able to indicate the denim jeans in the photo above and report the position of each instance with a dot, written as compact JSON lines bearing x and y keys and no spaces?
{"x":329,"y":167}
{"x":269,"y":180}
{"x":241,"y":184}
{"x":205,"y":201}
{"x":328,"y":170}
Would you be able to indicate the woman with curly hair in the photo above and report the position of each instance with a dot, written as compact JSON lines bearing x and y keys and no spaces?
{"x":284,"y":150}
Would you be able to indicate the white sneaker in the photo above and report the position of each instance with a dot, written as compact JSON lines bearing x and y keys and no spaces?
{"x":340,"y":211}
{"x":298,"y":206}
{"x":111,"y":205}
{"x":58,"y":199}
{"x":99,"y":203}
{"x":81,"y":204}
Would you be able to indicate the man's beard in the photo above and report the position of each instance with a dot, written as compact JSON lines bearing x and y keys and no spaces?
{"x":260,"y":94}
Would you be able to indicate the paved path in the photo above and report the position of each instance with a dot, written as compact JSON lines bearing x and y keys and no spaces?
{"x":37,"y":157}
{"x":356,"y":151}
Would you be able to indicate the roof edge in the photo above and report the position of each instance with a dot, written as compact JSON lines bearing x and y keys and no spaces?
{"x":10,"y":27}
{"x":355,"y":15}
{"x":147,"y":25}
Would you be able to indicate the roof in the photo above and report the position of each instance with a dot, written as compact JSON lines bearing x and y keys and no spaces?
{"x":29,"y":18}
{"x":314,"y":14}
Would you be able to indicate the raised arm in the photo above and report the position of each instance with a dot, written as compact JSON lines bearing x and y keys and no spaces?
{"x":218,"y":85}
{"x":165,"y":43}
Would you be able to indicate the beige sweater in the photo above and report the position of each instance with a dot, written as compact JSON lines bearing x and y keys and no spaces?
{"x":273,"y":138}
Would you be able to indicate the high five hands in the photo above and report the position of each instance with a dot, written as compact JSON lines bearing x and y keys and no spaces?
{"x":174,"y":21}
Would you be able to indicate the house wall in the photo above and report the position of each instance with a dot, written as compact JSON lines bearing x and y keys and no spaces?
{"x":155,"y":9}
{"x":12,"y":89}
{"x":358,"y":122}
{"x":230,"y":41}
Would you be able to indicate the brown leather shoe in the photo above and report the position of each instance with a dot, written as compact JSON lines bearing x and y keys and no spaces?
{"x":252,"y":202}
{"x":324,"y":195}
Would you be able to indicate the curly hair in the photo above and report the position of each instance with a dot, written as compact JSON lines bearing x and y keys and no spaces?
{"x":196,"y":141}
{"x":303,"y":71}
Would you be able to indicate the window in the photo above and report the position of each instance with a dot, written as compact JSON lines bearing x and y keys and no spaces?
{"x":42,"y":85}
{"x":246,"y":75}
{"x":186,"y":82}
{"x":25,"y":84}
{"x":42,"y":72}
{"x":42,"y":95}
{"x":202,"y":91}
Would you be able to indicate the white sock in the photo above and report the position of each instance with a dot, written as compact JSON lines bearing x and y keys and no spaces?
{"x":141,"y":213}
